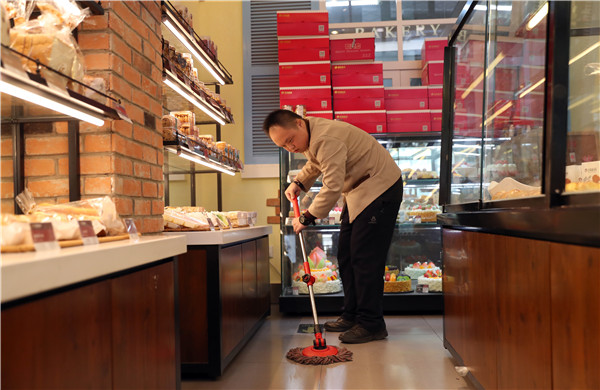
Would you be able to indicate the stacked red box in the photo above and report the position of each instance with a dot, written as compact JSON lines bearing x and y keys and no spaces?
{"x":530,"y":105}
{"x":408,"y":121}
{"x":348,"y":74}
{"x":294,"y":23}
{"x":352,"y":47}
{"x":436,"y":120}
{"x":371,"y":121}
{"x":314,"y":98}
{"x":467,"y":124}
{"x":432,"y":73}
{"x":304,"y":66}
{"x":433,"y":49}
{"x":296,"y":49}
{"x":406,"y":98}
{"x":506,"y":78}
{"x":435,"y":97}
{"x":320,"y":114}
{"x":534,"y":52}
{"x":358,"y":98}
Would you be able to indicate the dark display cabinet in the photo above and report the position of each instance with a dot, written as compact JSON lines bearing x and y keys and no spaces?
{"x":417,"y":237}
{"x":521,"y":233}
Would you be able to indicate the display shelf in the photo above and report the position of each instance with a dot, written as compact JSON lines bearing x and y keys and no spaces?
{"x":181,"y":35}
{"x":210,"y":112}
{"x":197,"y":153}
{"x":223,"y":237}
{"x":28,"y":97}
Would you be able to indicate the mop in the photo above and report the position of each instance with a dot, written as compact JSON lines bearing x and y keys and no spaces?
{"x":319,"y":353}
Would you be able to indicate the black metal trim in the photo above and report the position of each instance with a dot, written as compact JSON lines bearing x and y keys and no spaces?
{"x":94,"y":6}
{"x":447,"y":124}
{"x":461,"y":207}
{"x":166,"y":180}
{"x":74,"y":165}
{"x":18,"y":138}
{"x":557,"y":101}
{"x":192,"y":184}
{"x":464,"y":15}
{"x":424,"y":136}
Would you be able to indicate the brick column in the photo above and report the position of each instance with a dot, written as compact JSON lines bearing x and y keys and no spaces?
{"x":120,"y":159}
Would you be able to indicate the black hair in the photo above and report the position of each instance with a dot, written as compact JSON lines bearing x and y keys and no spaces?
{"x":283,"y":118}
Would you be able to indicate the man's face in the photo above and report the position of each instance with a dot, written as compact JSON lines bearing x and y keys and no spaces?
{"x":294,"y":139}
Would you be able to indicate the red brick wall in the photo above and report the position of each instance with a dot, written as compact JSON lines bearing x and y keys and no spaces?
{"x":119,"y":159}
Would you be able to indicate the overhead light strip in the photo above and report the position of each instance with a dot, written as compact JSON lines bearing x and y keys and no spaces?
{"x":583,"y":53}
{"x":176,"y":29}
{"x":55,"y":105}
{"x":479,"y":79}
{"x":533,"y":87}
{"x":538,"y":17}
{"x":190,"y":97}
{"x":198,"y":160}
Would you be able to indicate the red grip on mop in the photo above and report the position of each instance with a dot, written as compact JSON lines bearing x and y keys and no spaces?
{"x":306,"y":268}
{"x":296,"y":208}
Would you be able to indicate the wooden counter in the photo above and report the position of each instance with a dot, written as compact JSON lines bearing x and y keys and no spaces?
{"x":92,"y":317}
{"x":224,"y":297}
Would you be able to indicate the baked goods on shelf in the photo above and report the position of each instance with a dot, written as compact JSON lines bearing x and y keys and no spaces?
{"x":419,"y":268}
{"x":198,"y":219}
{"x":324,"y":272}
{"x":433,"y":279}
{"x":424,"y":212}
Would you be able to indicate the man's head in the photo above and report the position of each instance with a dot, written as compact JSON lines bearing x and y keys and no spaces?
{"x":287,"y":130}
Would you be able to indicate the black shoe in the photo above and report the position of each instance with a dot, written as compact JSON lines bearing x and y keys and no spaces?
{"x":357,"y":335}
{"x":339,"y":325}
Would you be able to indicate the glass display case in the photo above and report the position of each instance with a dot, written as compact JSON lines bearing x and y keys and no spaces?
{"x":416,"y":242}
{"x":521,"y":120}
{"x":501,"y":134}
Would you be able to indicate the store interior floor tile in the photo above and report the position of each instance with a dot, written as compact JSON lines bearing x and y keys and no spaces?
{"x":412,"y":357}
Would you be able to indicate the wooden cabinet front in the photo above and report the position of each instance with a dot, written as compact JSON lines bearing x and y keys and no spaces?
{"x":522,"y":313}
{"x":232,"y":298}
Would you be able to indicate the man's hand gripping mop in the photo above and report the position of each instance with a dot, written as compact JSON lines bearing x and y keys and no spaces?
{"x":319,"y":353}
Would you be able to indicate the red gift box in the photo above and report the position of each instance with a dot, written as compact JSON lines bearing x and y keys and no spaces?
{"x":292,"y":68}
{"x":369,"y":121}
{"x":368,"y":91}
{"x":467,"y":124}
{"x":436,"y":120}
{"x":471,"y":103}
{"x":303,"y":49}
{"x":313,"y":98}
{"x":435,"y":96}
{"x":433,"y":49}
{"x":320,"y":114}
{"x":357,"y":104}
{"x":433,"y":73}
{"x":304,"y":80}
{"x":356,"y":79}
{"x":410,"y":121}
{"x":352,"y":47}
{"x":302,"y":16}
{"x":291,"y":23}
{"x":534,"y":52}
{"x":407,"y":98}
{"x":530,"y":75}
{"x":345,"y":68}
{"x":531,"y":105}
{"x":506,"y":79}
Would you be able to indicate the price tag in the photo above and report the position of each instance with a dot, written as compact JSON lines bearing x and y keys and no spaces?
{"x":43,"y":237}
{"x":422,"y":288}
{"x":132,"y":230}
{"x":88,"y":236}
{"x":121,"y":112}
{"x":210,"y":224}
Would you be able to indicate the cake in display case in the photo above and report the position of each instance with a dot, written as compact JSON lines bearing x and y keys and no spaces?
{"x":416,"y":243}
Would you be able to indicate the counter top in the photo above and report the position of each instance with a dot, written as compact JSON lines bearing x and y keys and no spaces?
{"x":29,"y":273}
{"x":222,"y":237}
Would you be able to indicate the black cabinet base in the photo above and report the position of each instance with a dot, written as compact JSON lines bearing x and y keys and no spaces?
{"x":431,"y":303}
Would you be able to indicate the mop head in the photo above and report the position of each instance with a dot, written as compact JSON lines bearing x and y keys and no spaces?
{"x":297,"y":355}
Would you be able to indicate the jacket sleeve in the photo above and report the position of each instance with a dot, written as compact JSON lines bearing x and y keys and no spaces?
{"x":332,"y":154}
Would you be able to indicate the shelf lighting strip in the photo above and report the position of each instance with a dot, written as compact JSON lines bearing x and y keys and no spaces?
{"x":190,"y":96}
{"x":15,"y":85}
{"x":173,"y":25}
{"x":199,"y":160}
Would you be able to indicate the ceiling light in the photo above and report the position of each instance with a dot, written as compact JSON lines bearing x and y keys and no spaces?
{"x":538,"y":17}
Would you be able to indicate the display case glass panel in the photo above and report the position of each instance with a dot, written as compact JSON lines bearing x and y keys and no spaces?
{"x":583,"y":133}
{"x":353,"y":11}
{"x":514,"y":101}
{"x":465,"y":184}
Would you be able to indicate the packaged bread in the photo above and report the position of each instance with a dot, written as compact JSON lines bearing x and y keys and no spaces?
{"x":180,"y":219}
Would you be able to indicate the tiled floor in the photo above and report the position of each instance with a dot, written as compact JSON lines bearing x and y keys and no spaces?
{"x":412,"y":357}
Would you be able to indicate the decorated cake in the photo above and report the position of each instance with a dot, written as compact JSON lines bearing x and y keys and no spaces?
{"x":324,"y":271}
{"x":433,"y":279}
{"x":419,"y":268}
{"x":396,"y":282}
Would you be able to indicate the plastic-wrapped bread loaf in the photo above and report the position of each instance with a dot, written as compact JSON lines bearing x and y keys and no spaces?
{"x":185,"y":220}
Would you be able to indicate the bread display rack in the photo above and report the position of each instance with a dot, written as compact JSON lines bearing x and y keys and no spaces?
{"x":183,"y":91}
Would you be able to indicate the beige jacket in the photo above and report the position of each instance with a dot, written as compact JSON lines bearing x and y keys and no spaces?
{"x":353,"y":164}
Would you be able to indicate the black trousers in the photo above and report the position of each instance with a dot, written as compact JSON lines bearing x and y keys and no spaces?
{"x":362,"y":253}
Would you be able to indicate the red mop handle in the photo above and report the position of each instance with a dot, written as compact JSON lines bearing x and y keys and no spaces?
{"x":296,"y":208}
